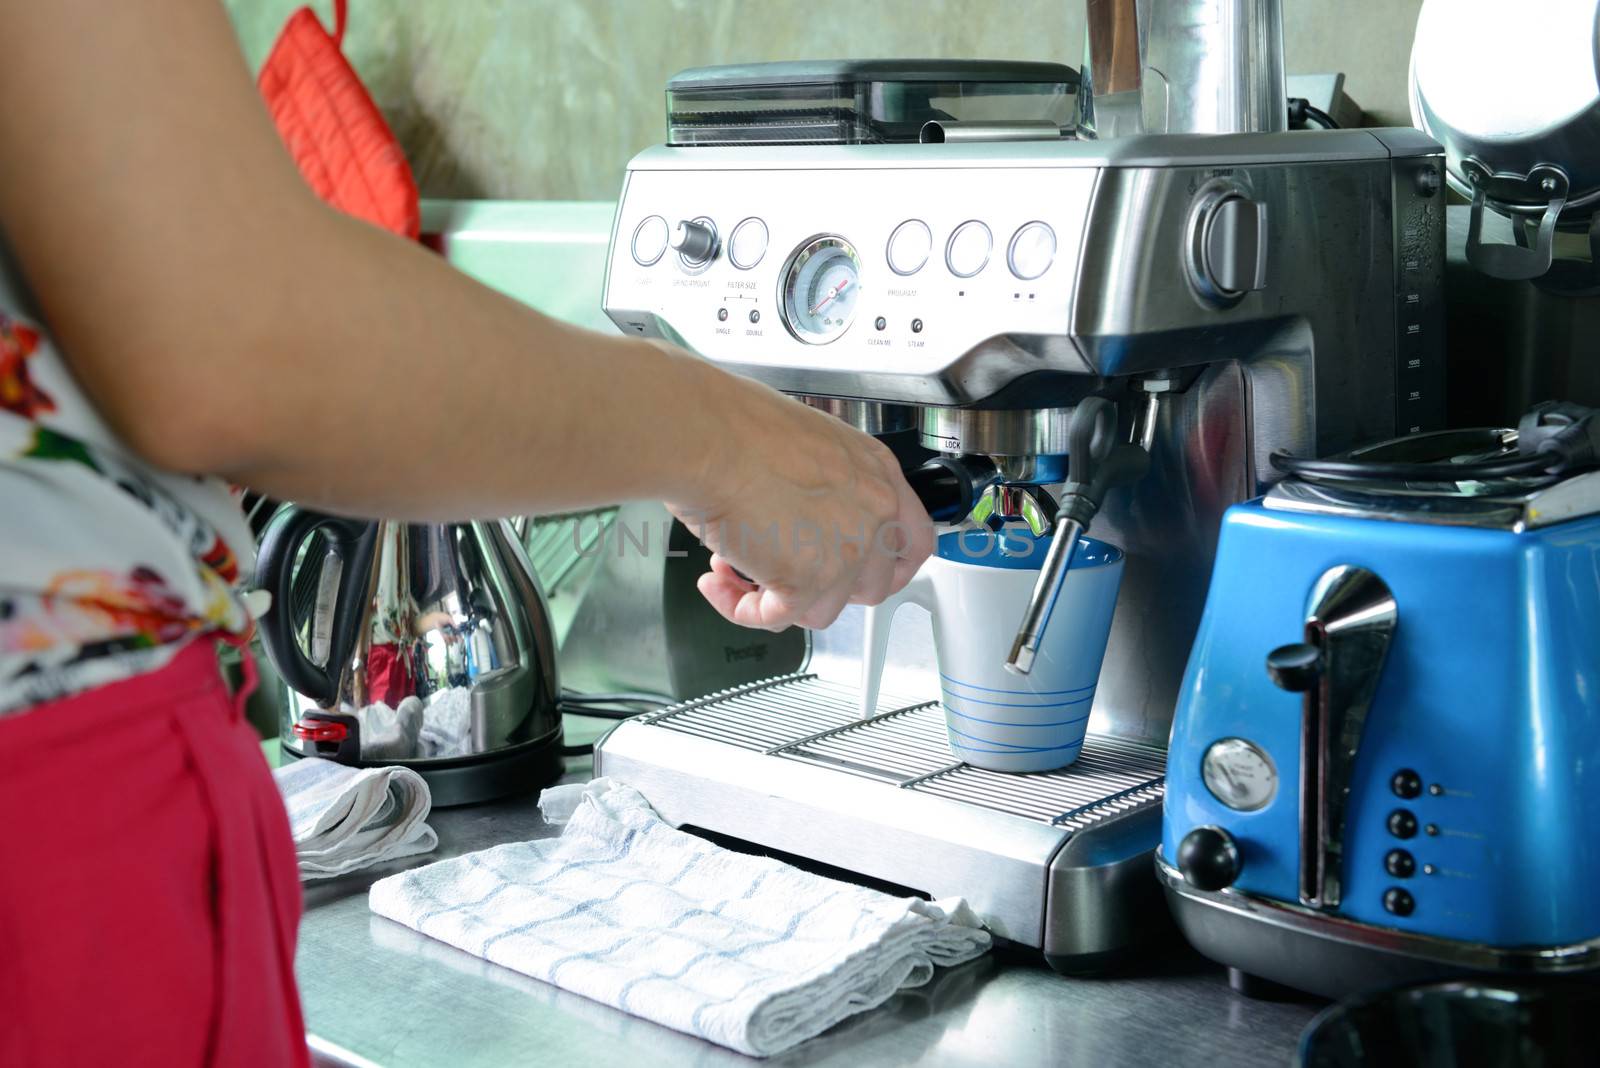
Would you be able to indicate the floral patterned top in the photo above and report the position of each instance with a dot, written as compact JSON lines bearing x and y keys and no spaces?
{"x":109,"y":565}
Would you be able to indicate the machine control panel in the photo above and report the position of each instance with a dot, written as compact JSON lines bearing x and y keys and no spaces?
{"x":855,"y":272}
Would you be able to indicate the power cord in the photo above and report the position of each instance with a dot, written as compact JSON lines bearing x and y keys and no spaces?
{"x":1553,"y":440}
{"x":606,"y":706}
{"x":1302,"y":113}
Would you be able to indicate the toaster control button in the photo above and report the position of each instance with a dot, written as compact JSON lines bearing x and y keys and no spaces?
{"x":1398,"y":901}
{"x":1208,"y":858}
{"x":1400,"y":864}
{"x":1403,"y":823}
{"x":1406,"y":783}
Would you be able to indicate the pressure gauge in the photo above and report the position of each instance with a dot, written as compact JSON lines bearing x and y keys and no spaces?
{"x":1239,"y":774}
{"x":819,"y":289}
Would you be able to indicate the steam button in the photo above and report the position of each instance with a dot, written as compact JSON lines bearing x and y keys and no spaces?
{"x":1402,"y":823}
{"x":967,"y":251}
{"x":649,"y":240}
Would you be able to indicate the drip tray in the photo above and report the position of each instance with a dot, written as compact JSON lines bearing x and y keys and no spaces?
{"x":788,"y":763}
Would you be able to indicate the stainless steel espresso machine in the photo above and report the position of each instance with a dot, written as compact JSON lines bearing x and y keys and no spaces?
{"x":1230,"y":293}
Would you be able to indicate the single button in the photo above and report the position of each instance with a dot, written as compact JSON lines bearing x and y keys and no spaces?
{"x":967,"y":251}
{"x":649,"y":240}
{"x":1031,"y":250}
{"x":909,"y":246}
{"x":1399,"y":901}
{"x":748,"y":244}
{"x":722,"y":315}
{"x":880,"y":323}
{"x":1402,"y":824}
{"x":755,"y":316}
{"x":916,"y":326}
{"x":1406,"y":783}
{"x":1400,"y":864}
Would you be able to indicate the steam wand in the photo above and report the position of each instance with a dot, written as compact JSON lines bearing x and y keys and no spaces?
{"x":1096,"y":462}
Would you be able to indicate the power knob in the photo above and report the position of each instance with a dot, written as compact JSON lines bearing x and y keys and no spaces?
{"x":1208,"y":858}
{"x":695,"y":240}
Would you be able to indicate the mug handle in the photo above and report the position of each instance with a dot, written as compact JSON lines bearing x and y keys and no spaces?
{"x":875,"y":645}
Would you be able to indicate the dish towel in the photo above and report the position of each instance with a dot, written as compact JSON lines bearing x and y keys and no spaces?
{"x":744,"y":951}
{"x":345,"y":818}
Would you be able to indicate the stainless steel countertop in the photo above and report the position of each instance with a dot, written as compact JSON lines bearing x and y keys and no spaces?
{"x":378,"y":993}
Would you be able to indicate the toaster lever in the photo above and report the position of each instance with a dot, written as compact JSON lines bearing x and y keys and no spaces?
{"x":1295,"y":667}
{"x":1349,"y":625}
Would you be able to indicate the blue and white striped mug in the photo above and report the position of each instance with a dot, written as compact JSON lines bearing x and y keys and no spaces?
{"x":975,"y":587}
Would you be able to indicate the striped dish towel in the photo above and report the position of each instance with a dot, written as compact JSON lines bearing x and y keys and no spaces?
{"x":744,"y":951}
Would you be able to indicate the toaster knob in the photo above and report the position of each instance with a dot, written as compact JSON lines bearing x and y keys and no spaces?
{"x":1208,"y":858}
{"x":1295,"y":667}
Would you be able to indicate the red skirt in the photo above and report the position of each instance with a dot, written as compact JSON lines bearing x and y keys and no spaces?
{"x":148,"y":889}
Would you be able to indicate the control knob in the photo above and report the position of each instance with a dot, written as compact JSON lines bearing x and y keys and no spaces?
{"x":695,"y":240}
{"x":1208,"y":858}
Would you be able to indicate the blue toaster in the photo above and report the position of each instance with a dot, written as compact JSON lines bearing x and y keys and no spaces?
{"x":1385,"y":759}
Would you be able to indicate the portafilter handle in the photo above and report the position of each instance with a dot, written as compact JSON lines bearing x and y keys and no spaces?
{"x":1095,"y":463}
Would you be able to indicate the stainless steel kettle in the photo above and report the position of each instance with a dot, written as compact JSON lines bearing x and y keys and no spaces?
{"x":423,"y":645}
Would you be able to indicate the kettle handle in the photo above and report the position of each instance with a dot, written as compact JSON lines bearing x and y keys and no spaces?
{"x":356,"y":540}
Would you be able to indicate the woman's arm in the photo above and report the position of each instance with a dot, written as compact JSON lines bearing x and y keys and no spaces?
{"x":225,"y":321}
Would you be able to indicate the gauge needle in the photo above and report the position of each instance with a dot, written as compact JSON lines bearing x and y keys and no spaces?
{"x":832,"y":293}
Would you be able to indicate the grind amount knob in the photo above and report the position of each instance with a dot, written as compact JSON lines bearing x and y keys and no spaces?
{"x":695,"y":239}
{"x":1295,"y":667}
{"x":1208,"y":858}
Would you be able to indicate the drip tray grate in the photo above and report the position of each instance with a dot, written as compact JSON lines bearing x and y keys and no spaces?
{"x":804,"y":717}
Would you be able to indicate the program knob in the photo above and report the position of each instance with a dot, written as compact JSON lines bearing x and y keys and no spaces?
{"x":695,"y":240}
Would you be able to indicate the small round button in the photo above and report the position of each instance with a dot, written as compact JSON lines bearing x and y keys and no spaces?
{"x":755,"y":316}
{"x":1399,"y":901}
{"x":909,"y":246}
{"x":748,"y":244}
{"x":1032,"y":249}
{"x":1400,"y":864}
{"x":880,"y":323}
{"x":649,"y":240}
{"x":722,"y":315}
{"x":1402,"y":824}
{"x":967,"y":251}
{"x":1406,"y":783}
{"x":916,"y":326}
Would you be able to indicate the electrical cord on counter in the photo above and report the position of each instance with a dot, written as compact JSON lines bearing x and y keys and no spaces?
{"x":606,"y":706}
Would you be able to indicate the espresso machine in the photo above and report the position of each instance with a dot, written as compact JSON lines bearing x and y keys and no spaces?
{"x":957,"y":257}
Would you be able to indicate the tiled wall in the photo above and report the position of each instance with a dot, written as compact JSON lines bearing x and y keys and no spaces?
{"x":547,"y":99}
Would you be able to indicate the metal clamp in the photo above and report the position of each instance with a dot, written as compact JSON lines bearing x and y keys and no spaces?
{"x":1515,"y":262}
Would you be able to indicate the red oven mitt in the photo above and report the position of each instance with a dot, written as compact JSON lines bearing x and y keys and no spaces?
{"x":335,"y":132}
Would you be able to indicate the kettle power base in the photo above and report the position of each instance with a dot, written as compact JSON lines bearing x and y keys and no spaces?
{"x":471,"y":780}
{"x":1061,"y":861}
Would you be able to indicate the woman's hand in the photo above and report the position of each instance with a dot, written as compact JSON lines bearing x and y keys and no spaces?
{"x":803,"y":513}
